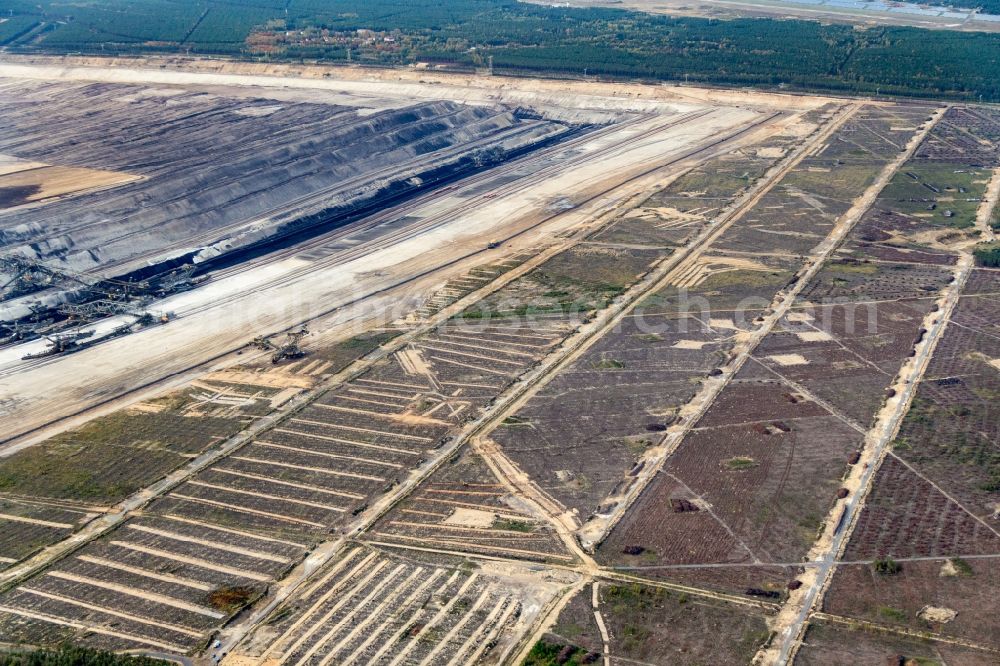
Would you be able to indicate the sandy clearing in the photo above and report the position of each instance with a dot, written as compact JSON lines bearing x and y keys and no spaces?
{"x":283,"y":396}
{"x":814,"y":336}
{"x":789,"y":359}
{"x":55,"y":181}
{"x":412,"y":361}
{"x":267,"y":379}
{"x":722,"y":324}
{"x":770,"y":152}
{"x":948,"y":568}
{"x":147,"y":407}
{"x":470,"y":518}
{"x":937,"y":614}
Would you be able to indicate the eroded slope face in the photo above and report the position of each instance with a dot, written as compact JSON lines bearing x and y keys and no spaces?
{"x":207,"y":173}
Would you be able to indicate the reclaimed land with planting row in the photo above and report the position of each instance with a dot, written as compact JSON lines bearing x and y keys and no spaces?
{"x":748,"y":489}
{"x":28,"y":526}
{"x":923,"y":555}
{"x":932,"y":512}
{"x":840,"y":644}
{"x":584,"y":436}
{"x":60,"y":485}
{"x":377,"y":606}
{"x":324,"y":464}
{"x":290,"y":487}
{"x":89,"y":470}
{"x":728,"y":291}
{"x":693,"y":199}
{"x":651,"y":625}
{"x":463,"y":506}
{"x":797,"y":214}
{"x":568,"y":288}
{"x":312,"y":473}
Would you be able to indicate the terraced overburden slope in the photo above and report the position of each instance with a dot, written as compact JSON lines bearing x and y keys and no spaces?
{"x":213,"y":173}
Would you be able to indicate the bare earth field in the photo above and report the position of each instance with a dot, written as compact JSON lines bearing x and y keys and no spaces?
{"x":326,"y":367}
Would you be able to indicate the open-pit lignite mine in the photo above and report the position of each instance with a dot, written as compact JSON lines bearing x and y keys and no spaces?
{"x":164,"y":178}
{"x":163,"y":219}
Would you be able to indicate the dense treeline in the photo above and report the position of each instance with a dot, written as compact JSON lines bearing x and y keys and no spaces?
{"x":69,"y":655}
{"x":531,"y":38}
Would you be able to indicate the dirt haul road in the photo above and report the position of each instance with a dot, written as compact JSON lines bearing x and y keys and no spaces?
{"x":228,"y":313}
